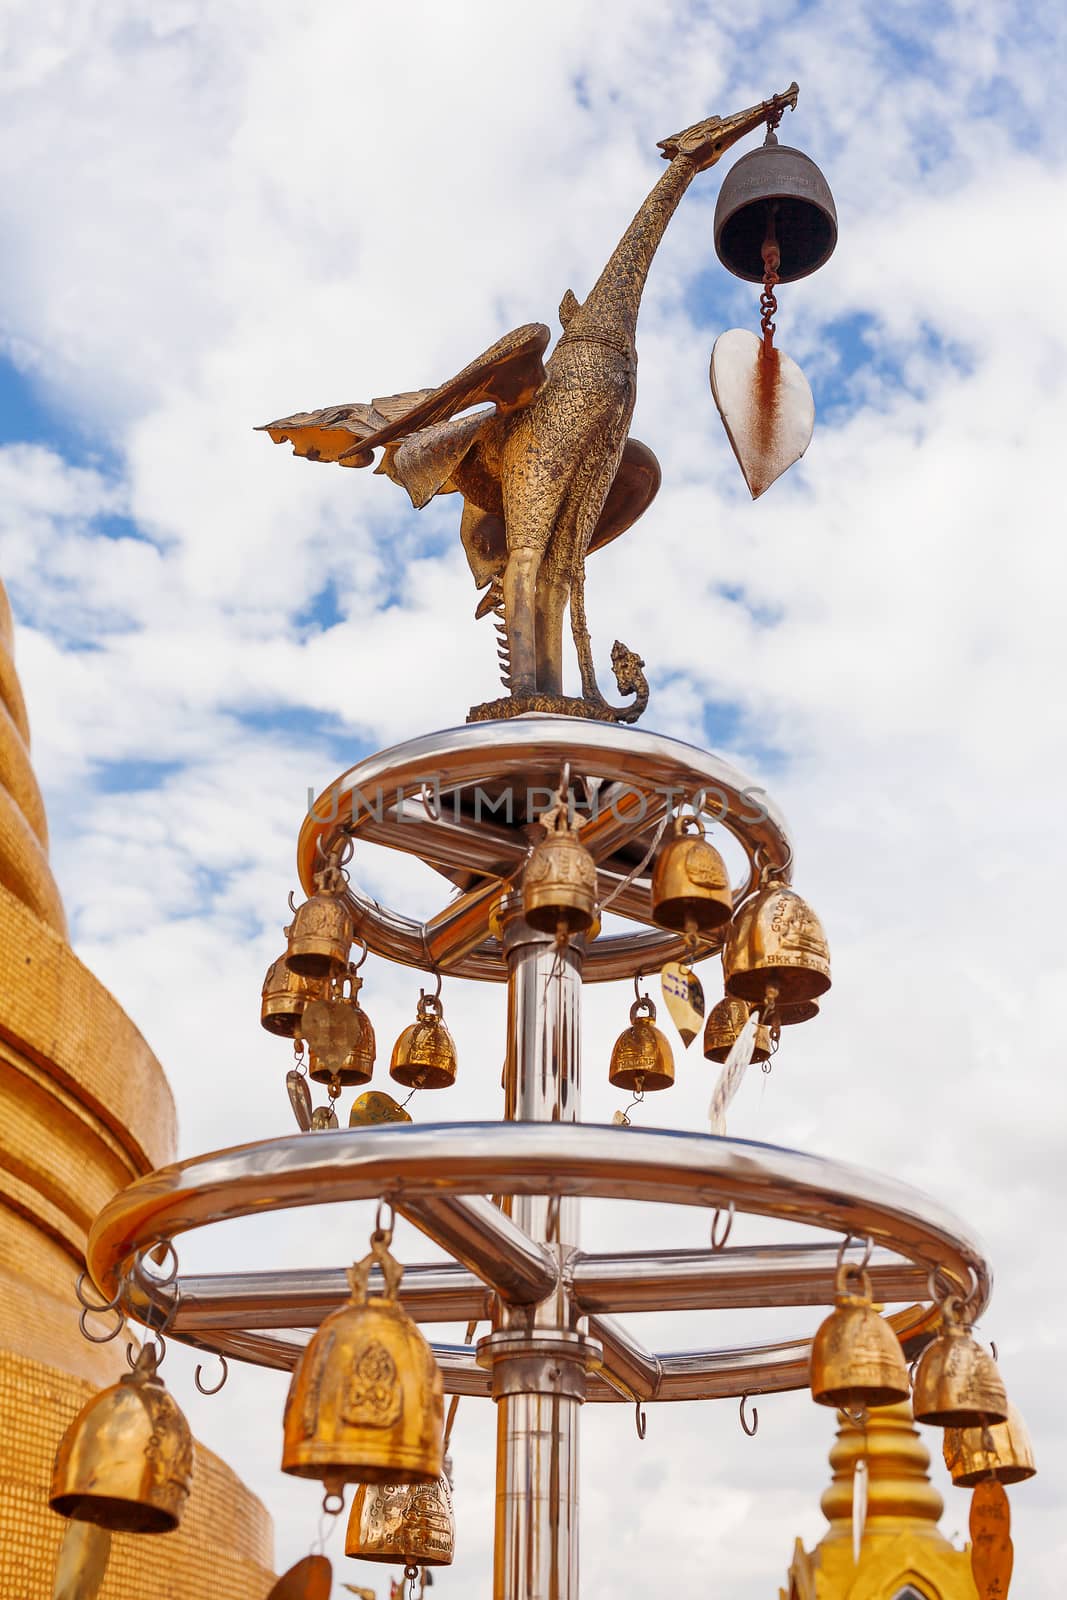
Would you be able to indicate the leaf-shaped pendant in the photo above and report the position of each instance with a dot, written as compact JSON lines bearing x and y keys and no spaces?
{"x":765,"y":403}
{"x":310,"y":1579}
{"x":992,"y":1553}
{"x":684,"y":999}
{"x":376,"y":1106}
{"x":332,"y":1029}
{"x":82,"y":1563}
{"x":299,"y":1098}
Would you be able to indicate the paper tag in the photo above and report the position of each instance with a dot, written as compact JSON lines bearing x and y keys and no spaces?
{"x":683,"y":996}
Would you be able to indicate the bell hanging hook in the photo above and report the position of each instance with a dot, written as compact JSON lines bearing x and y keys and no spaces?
{"x":750,"y":1428}
{"x":868,"y":1246}
{"x":719,"y":1238}
{"x":640,"y":1419}
{"x":205,"y":1388}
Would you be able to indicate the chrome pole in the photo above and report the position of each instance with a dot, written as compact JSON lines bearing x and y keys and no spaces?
{"x":538,"y":1359}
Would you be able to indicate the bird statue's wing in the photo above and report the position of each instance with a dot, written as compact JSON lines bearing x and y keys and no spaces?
{"x":509,"y":374}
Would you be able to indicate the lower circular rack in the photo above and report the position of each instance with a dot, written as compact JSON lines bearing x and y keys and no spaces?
{"x":438,"y":1176}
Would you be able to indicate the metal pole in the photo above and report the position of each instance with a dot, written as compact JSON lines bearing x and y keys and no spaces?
{"x":538,"y":1358}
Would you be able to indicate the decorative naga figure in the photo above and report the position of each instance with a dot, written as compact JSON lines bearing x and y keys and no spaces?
{"x":546,"y":469}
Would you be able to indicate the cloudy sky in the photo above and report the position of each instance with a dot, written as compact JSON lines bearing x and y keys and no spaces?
{"x":218,"y":213}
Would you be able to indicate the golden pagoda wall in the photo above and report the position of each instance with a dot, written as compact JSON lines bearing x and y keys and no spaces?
{"x":84,"y":1109}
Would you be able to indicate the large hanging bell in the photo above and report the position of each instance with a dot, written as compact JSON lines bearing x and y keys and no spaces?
{"x":641,"y":1058}
{"x":424,"y":1056}
{"x":126,"y":1461}
{"x":690,"y":886}
{"x":781,"y":184}
{"x":957,"y":1384}
{"x":366,"y":1400}
{"x":777,"y":953}
{"x":856,"y":1359}
{"x":723,"y":1029}
{"x":409,"y":1524}
{"x":285,"y":994}
{"x":321,"y":932}
{"x":1002,"y":1451}
{"x":559,"y":884}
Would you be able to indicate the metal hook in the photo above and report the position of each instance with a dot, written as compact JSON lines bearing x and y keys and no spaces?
{"x":868,"y":1247}
{"x":101,"y":1338}
{"x":354,"y":966}
{"x":858,"y":1419}
{"x":92,"y":1305}
{"x":386,"y":1233}
{"x":751,"y":1428}
{"x":204,"y":1389}
{"x":433,"y":810}
{"x":437,"y":987}
{"x":154,"y":1349}
{"x":718,"y":1241}
{"x":640,"y":1419}
{"x":993,"y":1347}
{"x":152,"y":1280}
{"x":292,"y":902}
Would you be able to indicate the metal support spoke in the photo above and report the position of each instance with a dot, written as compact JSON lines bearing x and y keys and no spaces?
{"x":429,"y":1292}
{"x":478,"y":1234}
{"x":626,"y":1359}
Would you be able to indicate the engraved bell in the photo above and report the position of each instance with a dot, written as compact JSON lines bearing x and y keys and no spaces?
{"x":409,"y":1524}
{"x":339,"y":1036}
{"x":285,"y":994}
{"x":424,"y":1056}
{"x":320,"y":935}
{"x":856,"y":1359}
{"x":1002,"y":1451}
{"x":690,"y":886}
{"x":777,"y":952}
{"x":723,"y":1029}
{"x":559,"y":884}
{"x":641,"y":1058}
{"x":957,"y":1384}
{"x":126,"y":1461}
{"x":366,"y":1400}
{"x":776,"y":182}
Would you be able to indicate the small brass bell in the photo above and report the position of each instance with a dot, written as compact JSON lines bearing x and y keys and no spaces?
{"x":970,"y":1459}
{"x":777,"y":953}
{"x":412,"y":1524}
{"x":856,"y":1359}
{"x":366,"y":1399}
{"x":641,"y":1058}
{"x":777,"y":181}
{"x":339,"y":1036}
{"x":285,"y":994}
{"x":799,"y":1011}
{"x":424,"y":1056}
{"x":690,"y":886}
{"x":723,"y":1029}
{"x":321,"y":932}
{"x":559,"y":884}
{"x":126,"y":1461}
{"x":957,"y":1384}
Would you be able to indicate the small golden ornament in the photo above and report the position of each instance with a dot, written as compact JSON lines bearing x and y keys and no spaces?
{"x":1002,"y":1451}
{"x":339,"y":1036}
{"x":856,"y":1359}
{"x":296,"y":1086}
{"x":412,"y":1524}
{"x":690,"y":887}
{"x":641,"y":1058}
{"x":683,"y":995}
{"x":373,"y":1107}
{"x":957,"y":1384}
{"x":777,"y":953}
{"x":310,"y":1579}
{"x":126,"y":1461}
{"x":285,"y":994}
{"x":799,"y":1011}
{"x":424,"y":1056}
{"x":559,"y":883}
{"x":723,"y":1029}
{"x":992,"y":1552}
{"x":321,"y":932}
{"x":366,"y":1399}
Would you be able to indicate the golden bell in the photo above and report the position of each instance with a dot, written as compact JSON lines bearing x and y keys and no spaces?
{"x":339,"y":1035}
{"x":126,"y":1461}
{"x":777,"y":952}
{"x":723,"y":1029}
{"x":285,"y":994}
{"x":424,"y":1056}
{"x":366,"y":1400}
{"x":957,"y":1384}
{"x":559,"y":884}
{"x":797,"y":1011}
{"x":690,"y":886}
{"x":969,"y":1460}
{"x":856,"y":1359}
{"x":641,"y":1058}
{"x":320,"y":935}
{"x":409,"y":1524}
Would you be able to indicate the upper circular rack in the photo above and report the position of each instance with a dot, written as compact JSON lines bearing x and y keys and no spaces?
{"x":424,"y":1169}
{"x":462,"y":800}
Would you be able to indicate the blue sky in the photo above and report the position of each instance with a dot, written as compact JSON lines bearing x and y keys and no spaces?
{"x":207,"y":627}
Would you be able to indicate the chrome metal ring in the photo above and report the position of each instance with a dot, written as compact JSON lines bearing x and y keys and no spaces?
{"x":381,"y":800}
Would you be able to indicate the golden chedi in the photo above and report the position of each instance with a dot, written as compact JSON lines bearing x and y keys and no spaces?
{"x":84,"y":1110}
{"x":903,"y":1552}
